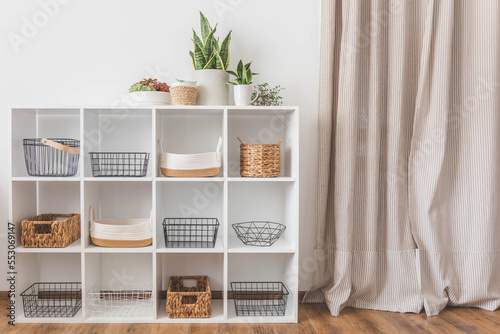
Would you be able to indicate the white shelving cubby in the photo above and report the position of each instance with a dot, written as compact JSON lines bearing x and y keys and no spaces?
{"x":227,"y":197}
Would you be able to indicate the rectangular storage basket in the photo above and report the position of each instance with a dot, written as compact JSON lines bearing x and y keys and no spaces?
{"x":259,"y":298}
{"x":51,"y":156}
{"x":52,"y":300}
{"x":191,"y":165}
{"x":190,"y":232}
{"x":134,"y":302}
{"x":260,"y":160}
{"x":120,"y":233}
{"x":189,"y":302}
{"x":50,"y":230}
{"x":119,"y":164}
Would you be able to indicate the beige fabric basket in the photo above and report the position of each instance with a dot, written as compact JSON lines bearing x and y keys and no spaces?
{"x":191,"y":165}
{"x":120,"y":233}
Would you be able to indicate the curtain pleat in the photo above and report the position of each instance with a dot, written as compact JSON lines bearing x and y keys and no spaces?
{"x":407,"y":182}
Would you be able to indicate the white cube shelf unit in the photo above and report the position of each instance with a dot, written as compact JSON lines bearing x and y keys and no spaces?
{"x":227,"y":197}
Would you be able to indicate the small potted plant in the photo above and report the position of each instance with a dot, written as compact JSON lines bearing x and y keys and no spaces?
{"x":265,"y":95}
{"x":243,"y":84}
{"x":210,"y":61}
{"x":183,"y":92}
{"x":150,"y":92}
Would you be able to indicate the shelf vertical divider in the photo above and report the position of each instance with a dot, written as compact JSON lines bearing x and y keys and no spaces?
{"x":225,"y":212}
{"x":83,"y":222}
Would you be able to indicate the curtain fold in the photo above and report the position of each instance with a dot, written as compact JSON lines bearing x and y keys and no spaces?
{"x":407,"y":182}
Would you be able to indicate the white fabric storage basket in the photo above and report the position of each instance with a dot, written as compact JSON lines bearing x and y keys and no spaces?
{"x":191,"y":165}
{"x":120,"y":232}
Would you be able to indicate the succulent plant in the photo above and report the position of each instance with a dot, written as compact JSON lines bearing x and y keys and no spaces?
{"x":208,"y":54}
{"x":243,"y":74}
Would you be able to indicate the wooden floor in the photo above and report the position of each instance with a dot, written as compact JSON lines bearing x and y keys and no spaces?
{"x":313,"y":318}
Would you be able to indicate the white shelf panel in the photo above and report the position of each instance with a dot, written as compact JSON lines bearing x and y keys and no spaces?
{"x":118,"y":179}
{"x":259,"y":111}
{"x":189,"y":179}
{"x":216,"y":317}
{"x":190,"y":111}
{"x":96,"y":249}
{"x":20,"y":318}
{"x":45,"y":178}
{"x":74,"y":247}
{"x":261,"y":179}
{"x":219,"y":248}
{"x":120,"y":320}
{"x":280,"y":246}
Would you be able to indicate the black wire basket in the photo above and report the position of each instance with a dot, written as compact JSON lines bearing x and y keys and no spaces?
{"x":51,"y":156}
{"x":190,"y":232}
{"x":119,"y":164}
{"x":259,"y":298}
{"x":55,"y":300}
{"x":259,"y":233}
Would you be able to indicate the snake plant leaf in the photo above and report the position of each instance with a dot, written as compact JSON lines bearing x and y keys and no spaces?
{"x":207,"y":48}
{"x":247,"y":65}
{"x":230,"y":83}
{"x":210,"y":63}
{"x":218,"y":60}
{"x":232,"y":73}
{"x":239,"y":69}
{"x":198,"y":41}
{"x":199,"y":57}
{"x":249,"y":77}
{"x":192,"y":57}
{"x":205,"y":26}
{"x":224,"y":51}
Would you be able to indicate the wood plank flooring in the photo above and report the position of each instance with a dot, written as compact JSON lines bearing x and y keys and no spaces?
{"x":313,"y":318}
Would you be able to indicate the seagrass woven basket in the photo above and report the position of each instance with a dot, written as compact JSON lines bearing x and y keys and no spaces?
{"x":50,"y":230}
{"x":189,"y":302}
{"x":183,"y":95}
{"x":260,"y":160}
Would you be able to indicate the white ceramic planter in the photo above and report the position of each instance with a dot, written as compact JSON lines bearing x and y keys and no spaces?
{"x":150,"y":98}
{"x":243,"y":95}
{"x":212,"y":87}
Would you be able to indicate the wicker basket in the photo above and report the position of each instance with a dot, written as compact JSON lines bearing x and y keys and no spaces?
{"x":260,"y":160}
{"x":189,"y":302}
{"x":50,"y":230}
{"x":183,"y":95}
{"x":120,"y":233}
{"x":191,"y":165}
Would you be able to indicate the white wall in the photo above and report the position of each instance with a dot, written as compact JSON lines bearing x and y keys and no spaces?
{"x":89,"y":52}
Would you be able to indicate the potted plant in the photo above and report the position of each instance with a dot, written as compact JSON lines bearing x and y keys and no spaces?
{"x":210,"y":61}
{"x":265,"y":95}
{"x":150,"y":91}
{"x":243,"y":84}
{"x":183,"y":92}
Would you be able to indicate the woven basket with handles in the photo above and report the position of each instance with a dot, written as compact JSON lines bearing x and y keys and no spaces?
{"x":260,"y":160}
{"x":120,"y":232}
{"x":50,"y":230}
{"x":191,"y":165}
{"x":189,"y":302}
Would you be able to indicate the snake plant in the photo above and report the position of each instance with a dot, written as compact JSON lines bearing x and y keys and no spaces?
{"x":207,"y":52}
{"x":243,"y":74}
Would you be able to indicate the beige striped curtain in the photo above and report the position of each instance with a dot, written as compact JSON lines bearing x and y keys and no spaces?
{"x":408,"y":183}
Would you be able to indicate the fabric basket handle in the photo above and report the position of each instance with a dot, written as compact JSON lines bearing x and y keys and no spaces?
{"x":59,"y":146}
{"x":92,"y":215}
{"x":242,"y":143}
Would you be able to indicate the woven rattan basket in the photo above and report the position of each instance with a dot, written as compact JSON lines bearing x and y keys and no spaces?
{"x":260,"y":160}
{"x":189,"y":302}
{"x":183,"y":95}
{"x":50,"y":230}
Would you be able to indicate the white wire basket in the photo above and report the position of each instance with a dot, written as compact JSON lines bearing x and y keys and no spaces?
{"x":121,"y":303}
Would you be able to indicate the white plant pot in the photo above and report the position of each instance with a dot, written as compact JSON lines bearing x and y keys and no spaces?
{"x":212,"y":87}
{"x":149,"y":98}
{"x":243,"y":95}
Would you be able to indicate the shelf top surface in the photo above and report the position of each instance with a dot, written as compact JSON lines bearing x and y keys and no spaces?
{"x":157,"y":107}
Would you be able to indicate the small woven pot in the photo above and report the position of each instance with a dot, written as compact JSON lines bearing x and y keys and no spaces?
{"x":259,"y":160}
{"x":183,"y":95}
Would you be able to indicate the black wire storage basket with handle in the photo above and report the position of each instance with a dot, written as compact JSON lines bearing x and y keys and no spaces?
{"x":55,"y":299}
{"x":51,"y":156}
{"x":259,"y":233}
{"x":119,"y":164}
{"x":259,"y":298}
{"x":190,"y":232}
